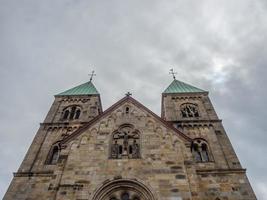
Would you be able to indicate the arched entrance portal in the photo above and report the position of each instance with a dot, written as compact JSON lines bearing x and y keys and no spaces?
{"x":123,"y":189}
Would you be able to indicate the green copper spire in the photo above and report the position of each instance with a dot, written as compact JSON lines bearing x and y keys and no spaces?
{"x":87,"y":88}
{"x":181,"y":87}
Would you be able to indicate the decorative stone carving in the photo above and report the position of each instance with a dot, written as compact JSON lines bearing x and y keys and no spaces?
{"x":125,"y":143}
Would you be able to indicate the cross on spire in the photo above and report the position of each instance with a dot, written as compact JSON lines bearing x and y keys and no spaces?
{"x":92,"y":75}
{"x":173,"y":73}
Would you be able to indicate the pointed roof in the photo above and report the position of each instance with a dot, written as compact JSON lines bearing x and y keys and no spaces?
{"x":87,"y":88}
{"x":115,"y":106}
{"x":181,"y":87}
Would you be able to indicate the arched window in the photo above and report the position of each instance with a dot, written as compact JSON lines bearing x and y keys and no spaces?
{"x":189,"y":110}
{"x":200,"y":150}
{"x":130,"y":149}
{"x":125,"y":196}
{"x":77,"y":115}
{"x":123,"y":189}
{"x":53,"y":155}
{"x":125,"y":143}
{"x":127,"y":109}
{"x":196,"y":152}
{"x":204,"y":155}
{"x":66,"y":114}
{"x":71,"y":112}
{"x":120,"y":149}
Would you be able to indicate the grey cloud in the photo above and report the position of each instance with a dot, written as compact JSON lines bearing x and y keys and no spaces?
{"x":50,"y":46}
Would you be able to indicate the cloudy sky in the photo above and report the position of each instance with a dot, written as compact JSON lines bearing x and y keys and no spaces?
{"x":48,"y":46}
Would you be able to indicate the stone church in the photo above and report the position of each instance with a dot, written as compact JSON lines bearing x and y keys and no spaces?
{"x":127,"y":152}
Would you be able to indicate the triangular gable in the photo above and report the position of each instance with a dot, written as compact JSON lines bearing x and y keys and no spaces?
{"x":114,"y":107}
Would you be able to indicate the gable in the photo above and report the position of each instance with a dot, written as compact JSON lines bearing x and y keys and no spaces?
{"x":93,"y":153}
{"x":137,"y":115}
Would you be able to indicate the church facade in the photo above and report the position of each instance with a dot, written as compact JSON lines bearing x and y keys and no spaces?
{"x":127,"y":152}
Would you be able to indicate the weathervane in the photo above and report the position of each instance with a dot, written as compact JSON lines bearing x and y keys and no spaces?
{"x":173,"y":73}
{"x":92,"y":75}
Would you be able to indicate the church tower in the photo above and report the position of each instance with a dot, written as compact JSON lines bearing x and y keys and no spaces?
{"x":70,"y":110}
{"x":190,"y":110}
{"x":127,"y":152}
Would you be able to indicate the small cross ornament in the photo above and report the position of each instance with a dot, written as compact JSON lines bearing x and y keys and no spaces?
{"x":173,"y":73}
{"x":92,"y":75}
{"x":128,"y":94}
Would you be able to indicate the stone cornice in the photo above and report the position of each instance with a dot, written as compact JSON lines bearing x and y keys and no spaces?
{"x":221,"y":171}
{"x":198,"y":121}
{"x":30,"y":174}
{"x":62,"y":123}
